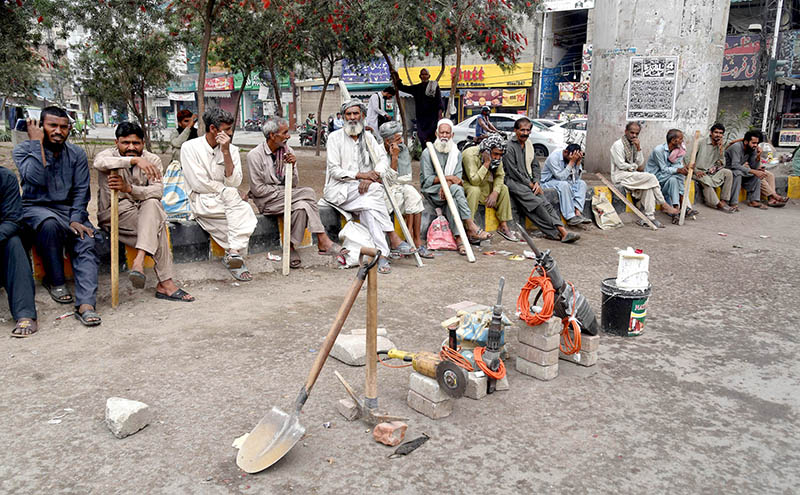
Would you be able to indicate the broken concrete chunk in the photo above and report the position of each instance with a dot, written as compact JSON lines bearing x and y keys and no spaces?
{"x":476,"y":385}
{"x":427,"y":387}
{"x":390,"y":434}
{"x":125,"y":417}
{"x":347,"y":408}
{"x":502,"y":384}
{"x":352,"y":349}
{"x":433,"y":410}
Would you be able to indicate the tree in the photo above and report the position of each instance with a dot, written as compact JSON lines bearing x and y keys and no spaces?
{"x":125,"y":54}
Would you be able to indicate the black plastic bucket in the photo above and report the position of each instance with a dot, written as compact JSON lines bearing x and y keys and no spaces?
{"x":623,"y":311}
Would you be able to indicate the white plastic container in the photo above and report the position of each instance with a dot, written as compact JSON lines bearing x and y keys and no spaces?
{"x":633,"y":271}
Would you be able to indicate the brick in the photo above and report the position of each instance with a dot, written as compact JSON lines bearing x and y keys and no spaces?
{"x":539,"y":341}
{"x":352,"y":349}
{"x":550,"y":327}
{"x":427,"y":387}
{"x":476,"y":385}
{"x":453,"y":309}
{"x":347,"y":408}
{"x":125,"y":417}
{"x":582,"y":358}
{"x":589,"y":343}
{"x":433,"y":410}
{"x":538,"y":356}
{"x":539,"y":372}
{"x":390,"y":434}
{"x":502,"y":384}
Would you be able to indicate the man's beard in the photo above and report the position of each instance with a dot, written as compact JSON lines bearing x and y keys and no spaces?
{"x":443,"y":145}
{"x":132,"y":153}
{"x":51,"y":145}
{"x":354,"y":127}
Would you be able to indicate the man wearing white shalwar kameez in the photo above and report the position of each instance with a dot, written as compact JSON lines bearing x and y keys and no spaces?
{"x":213,"y":172}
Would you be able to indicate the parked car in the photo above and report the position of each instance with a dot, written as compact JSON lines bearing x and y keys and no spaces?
{"x":544,"y":140}
{"x":547,"y":122}
{"x":572,"y":131}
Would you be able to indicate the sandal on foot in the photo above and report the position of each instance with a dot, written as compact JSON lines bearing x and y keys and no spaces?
{"x":60,"y":294}
{"x":570,"y":238}
{"x":294,"y":259}
{"x":404,"y":249}
{"x":232,"y":261}
{"x":509,"y":236}
{"x":25,"y":328}
{"x":384,"y":266}
{"x":335,"y":249}
{"x":726,"y":209}
{"x":178,"y":295}
{"x":776,"y":204}
{"x":757,"y":204}
{"x":462,"y":250}
{"x":424,"y":252}
{"x":480,"y":235}
{"x":239,"y":273}
{"x":89,"y":318}
{"x":137,"y":279}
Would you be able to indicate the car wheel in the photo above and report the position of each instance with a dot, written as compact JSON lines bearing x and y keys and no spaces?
{"x":540,"y":151}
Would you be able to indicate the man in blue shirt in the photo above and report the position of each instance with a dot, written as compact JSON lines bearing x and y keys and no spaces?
{"x":670,"y":175}
{"x":562,"y":171}
{"x":55,"y":195}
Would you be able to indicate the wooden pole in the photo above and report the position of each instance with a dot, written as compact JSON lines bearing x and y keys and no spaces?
{"x":450,"y":203}
{"x":630,"y":205}
{"x":114,"y":245}
{"x":688,"y":181}
{"x":371,"y":386}
{"x":287,"y":216}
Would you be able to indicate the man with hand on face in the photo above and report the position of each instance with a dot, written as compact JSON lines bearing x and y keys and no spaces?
{"x":142,"y":219}
{"x":266,"y":163}
{"x":213,"y":172}
{"x":184,"y":132}
{"x":743,"y":158}
{"x":562,"y":171}
{"x":353,"y":180}
{"x":55,"y":195}
{"x":669,"y":171}
{"x":627,"y":169}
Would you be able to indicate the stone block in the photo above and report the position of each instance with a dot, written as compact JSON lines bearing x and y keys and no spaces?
{"x":539,"y":341}
{"x":427,"y":387}
{"x":538,"y":356}
{"x":266,"y":235}
{"x":589,"y":343}
{"x":582,"y":358}
{"x":476,"y":385}
{"x":352,"y":349}
{"x":502,"y":384}
{"x":537,"y":371}
{"x":363,"y":331}
{"x":550,"y":327}
{"x":453,"y":309}
{"x":433,"y":410}
{"x":347,"y":408}
{"x":390,"y":434}
{"x":125,"y":417}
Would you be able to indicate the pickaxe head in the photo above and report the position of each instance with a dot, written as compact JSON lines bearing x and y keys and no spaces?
{"x":368,"y":414}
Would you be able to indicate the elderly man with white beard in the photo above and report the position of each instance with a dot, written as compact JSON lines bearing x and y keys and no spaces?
{"x":450,"y":157}
{"x":353,"y":181}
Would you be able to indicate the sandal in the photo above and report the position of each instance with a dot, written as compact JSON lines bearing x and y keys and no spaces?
{"x":178,"y":295}
{"x":335,"y":249}
{"x":25,"y":328}
{"x":757,"y":204}
{"x":137,"y":279}
{"x":424,"y":252}
{"x":242,"y":274}
{"x":734,"y":208}
{"x":384,"y":266}
{"x":89,"y":318}
{"x":404,"y":249}
{"x":776,"y":204}
{"x":509,"y":236}
{"x":232,"y":260}
{"x":570,"y":238}
{"x":294,"y":259}
{"x":461,"y":249}
{"x":480,"y":235}
{"x":59,"y":294}
{"x":726,"y":209}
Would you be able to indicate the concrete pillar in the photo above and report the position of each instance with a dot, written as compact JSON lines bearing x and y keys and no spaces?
{"x":693,"y":30}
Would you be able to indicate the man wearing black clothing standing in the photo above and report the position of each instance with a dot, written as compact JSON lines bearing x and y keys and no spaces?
{"x":428,"y":104}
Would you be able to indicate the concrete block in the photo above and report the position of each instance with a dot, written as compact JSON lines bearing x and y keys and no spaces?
{"x":582,"y":358}
{"x":538,"y":356}
{"x":502,"y":384}
{"x":453,"y":309}
{"x":125,"y":417}
{"x":352,"y":349}
{"x":266,"y":235}
{"x":433,"y":410}
{"x":550,"y":327}
{"x":476,"y":385}
{"x":589,"y":343}
{"x":390,"y":434}
{"x":539,"y":372}
{"x":347,"y":408}
{"x":539,"y":341}
{"x":382,"y":332}
{"x":427,"y":387}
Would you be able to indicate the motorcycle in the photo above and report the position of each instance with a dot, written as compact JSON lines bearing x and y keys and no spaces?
{"x":309,"y":137}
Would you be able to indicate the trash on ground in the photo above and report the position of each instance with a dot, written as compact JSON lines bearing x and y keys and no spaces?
{"x":529,"y":254}
{"x":764,"y":236}
{"x":65,"y":315}
{"x":516,"y":257}
{"x":722,"y":234}
{"x":409,"y":446}
{"x":273,"y":257}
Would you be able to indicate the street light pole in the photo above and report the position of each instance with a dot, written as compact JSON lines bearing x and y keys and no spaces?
{"x":773,"y":53}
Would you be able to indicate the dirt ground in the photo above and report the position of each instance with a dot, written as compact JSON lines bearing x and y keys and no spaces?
{"x":706,"y":401}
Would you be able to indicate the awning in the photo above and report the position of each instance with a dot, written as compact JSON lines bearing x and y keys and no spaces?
{"x":218,"y":94}
{"x":788,"y":81}
{"x":737,"y":84}
{"x":181,"y":96}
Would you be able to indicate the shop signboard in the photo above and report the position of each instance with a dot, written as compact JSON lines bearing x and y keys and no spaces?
{"x":484,"y":97}
{"x":171,"y":124}
{"x":476,"y":75}
{"x":183,"y":85}
{"x":98,"y":117}
{"x":740,"y":61}
{"x":252,"y":81}
{"x":161,"y":102}
{"x":562,"y":5}
{"x":374,"y":72}
{"x":181,"y":96}
{"x":573,"y":91}
{"x":653,"y":83}
{"x":514,"y":97}
{"x":221,"y":83}
{"x":789,"y":138}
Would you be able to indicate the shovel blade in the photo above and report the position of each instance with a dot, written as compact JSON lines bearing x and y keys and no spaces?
{"x":270,"y":440}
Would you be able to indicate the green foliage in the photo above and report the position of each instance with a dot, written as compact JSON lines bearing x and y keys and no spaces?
{"x":735,"y":124}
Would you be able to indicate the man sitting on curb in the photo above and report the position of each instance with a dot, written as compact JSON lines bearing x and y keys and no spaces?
{"x":268,"y":187}
{"x":710,"y":171}
{"x":142,"y":219}
{"x":213,"y":172}
{"x":665,"y":164}
{"x":562,"y":171}
{"x":485,"y":184}
{"x":743,"y":157}
{"x":522,"y":179}
{"x":450,"y":160}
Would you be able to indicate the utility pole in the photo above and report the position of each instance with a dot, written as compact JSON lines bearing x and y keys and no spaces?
{"x":773,"y":52}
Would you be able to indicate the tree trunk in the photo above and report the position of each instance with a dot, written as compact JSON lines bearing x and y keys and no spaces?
{"x":441,"y":71}
{"x":400,"y":105}
{"x":3,"y":115}
{"x":148,"y":143}
{"x":201,"y":70}
{"x":326,"y":78}
{"x":456,"y":76}
{"x":141,"y":117}
{"x":276,"y":88}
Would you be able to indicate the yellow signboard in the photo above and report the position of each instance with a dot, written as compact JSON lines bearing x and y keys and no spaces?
{"x":514,"y":97}
{"x":475,"y":76}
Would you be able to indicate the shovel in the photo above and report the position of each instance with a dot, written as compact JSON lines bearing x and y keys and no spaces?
{"x":278,"y":432}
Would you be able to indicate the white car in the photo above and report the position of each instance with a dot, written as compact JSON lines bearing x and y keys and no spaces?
{"x":547,"y":122}
{"x":572,"y":131}
{"x":544,"y":140}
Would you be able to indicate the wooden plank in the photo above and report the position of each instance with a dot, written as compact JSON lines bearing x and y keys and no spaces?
{"x":624,"y":199}
{"x":287,"y":216}
{"x":688,"y":181}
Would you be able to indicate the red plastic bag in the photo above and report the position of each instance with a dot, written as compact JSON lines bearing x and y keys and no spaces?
{"x":439,"y":235}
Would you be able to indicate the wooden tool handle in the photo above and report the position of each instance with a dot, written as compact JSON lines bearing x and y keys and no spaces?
{"x":624,"y":199}
{"x":114,"y":244}
{"x":371,"y":386}
{"x":287,"y":216}
{"x":450,"y":203}
{"x":688,"y":181}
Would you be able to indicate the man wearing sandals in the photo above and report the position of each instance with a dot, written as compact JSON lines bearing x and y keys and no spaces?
{"x":450,"y":157}
{"x":212,"y":169}
{"x":55,"y":194}
{"x":485,"y":184}
{"x":627,"y":169}
{"x":353,"y":181}
{"x":665,"y":164}
{"x":398,"y":180}
{"x":267,"y":187}
{"x":743,"y":158}
{"x":15,"y":268}
{"x":522,"y":178}
{"x":142,"y":219}
{"x":562,"y":171}
{"x":710,"y":171}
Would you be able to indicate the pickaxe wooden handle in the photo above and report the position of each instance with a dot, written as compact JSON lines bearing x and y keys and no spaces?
{"x":287,"y":216}
{"x":688,"y":181}
{"x":114,"y":244}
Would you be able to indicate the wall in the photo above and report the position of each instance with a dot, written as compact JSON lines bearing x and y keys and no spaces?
{"x":693,"y":30}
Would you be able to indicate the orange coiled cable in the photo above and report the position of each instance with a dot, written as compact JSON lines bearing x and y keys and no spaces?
{"x":548,"y":298}
{"x":454,"y":355}
{"x":497,"y":375}
{"x":570,"y":344}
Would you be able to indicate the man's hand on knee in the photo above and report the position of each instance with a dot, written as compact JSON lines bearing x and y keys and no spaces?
{"x":364,"y":185}
{"x":80,"y":229}
{"x":491,"y":199}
